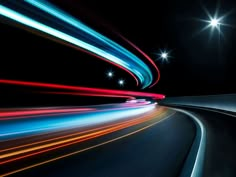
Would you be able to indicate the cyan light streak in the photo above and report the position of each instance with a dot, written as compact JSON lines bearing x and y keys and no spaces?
{"x":20,"y":128}
{"x":80,"y":35}
{"x":200,"y":140}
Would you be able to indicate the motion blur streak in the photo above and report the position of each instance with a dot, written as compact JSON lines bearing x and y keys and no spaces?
{"x":24,"y":113}
{"x":84,"y":90}
{"x":97,"y":124}
{"x":19,"y":128}
{"x":89,"y":94}
{"x":85,"y":149}
{"x":60,"y":25}
{"x":67,"y":136}
{"x":148,"y":58}
{"x":36,"y":136}
{"x":76,"y":139}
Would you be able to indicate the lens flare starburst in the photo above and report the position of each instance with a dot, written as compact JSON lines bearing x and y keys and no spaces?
{"x":214,"y":22}
{"x":163,"y":55}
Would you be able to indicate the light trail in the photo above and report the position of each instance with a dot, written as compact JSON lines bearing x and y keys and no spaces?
{"x":123,"y":125}
{"x":21,"y":129}
{"x":58,"y":24}
{"x":84,"y":90}
{"x":68,"y":141}
{"x":6,"y":115}
{"x":148,"y":58}
{"x":75,"y":134}
{"x":28,"y":134}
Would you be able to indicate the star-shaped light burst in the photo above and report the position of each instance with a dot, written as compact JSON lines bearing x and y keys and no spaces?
{"x":214,"y":22}
{"x":164,"y":55}
{"x":121,"y":82}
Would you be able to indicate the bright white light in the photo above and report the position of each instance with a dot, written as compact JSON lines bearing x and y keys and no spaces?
{"x":214,"y":22}
{"x":121,"y":82}
{"x":110,"y":74}
{"x":164,"y":55}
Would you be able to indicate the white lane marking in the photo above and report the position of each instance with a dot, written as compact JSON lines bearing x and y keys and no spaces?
{"x":198,"y":164}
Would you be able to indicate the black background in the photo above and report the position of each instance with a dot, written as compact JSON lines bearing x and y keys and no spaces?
{"x":199,"y":64}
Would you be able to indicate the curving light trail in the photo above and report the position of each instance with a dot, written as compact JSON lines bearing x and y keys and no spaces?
{"x":20,"y":128}
{"x":87,"y":91}
{"x":30,"y":134}
{"x":58,"y":24}
{"x":148,"y":58}
{"x":42,"y":133}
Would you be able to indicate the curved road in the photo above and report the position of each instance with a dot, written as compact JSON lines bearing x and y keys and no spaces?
{"x":153,"y":148}
{"x":220,"y":152}
{"x":159,"y":147}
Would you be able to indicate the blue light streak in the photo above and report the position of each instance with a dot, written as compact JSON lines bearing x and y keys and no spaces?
{"x":13,"y":129}
{"x":73,"y":31}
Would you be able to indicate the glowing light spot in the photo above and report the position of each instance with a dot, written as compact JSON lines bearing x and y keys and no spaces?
{"x":110,"y":74}
{"x":121,"y":82}
{"x":214,"y":22}
{"x":164,"y":55}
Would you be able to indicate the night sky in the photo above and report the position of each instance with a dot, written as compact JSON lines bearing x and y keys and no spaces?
{"x":198,"y":64}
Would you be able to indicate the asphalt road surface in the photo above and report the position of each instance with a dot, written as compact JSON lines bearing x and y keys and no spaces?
{"x":220,"y":152}
{"x":154,"y":149}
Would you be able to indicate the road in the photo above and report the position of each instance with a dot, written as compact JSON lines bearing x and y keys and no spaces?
{"x":221,"y":141}
{"x":157,"y":147}
{"x":161,"y":146}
